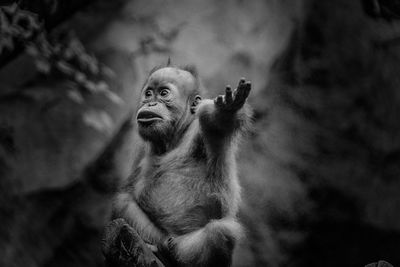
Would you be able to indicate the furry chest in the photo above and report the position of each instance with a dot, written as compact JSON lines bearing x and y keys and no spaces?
{"x":179,"y":203}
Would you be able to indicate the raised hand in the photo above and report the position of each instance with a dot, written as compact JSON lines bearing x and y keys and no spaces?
{"x":233,"y":101}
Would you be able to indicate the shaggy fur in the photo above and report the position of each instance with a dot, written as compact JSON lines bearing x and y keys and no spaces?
{"x":183,"y":194}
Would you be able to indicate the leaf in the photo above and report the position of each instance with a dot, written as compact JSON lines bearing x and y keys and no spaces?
{"x":4,"y":23}
{"x":91,"y":86}
{"x":108,"y":72}
{"x":99,"y":120}
{"x":80,"y":77}
{"x":10,"y":9}
{"x":43,"y":66}
{"x":75,"y":96}
{"x":6,"y":42}
{"x":64,"y":67}
{"x":45,"y":48}
{"x":114,"y":97}
{"x":76,"y":46}
{"x":93,"y":67}
{"x":68,"y":53}
{"x":32,"y":50}
{"x":102,"y":86}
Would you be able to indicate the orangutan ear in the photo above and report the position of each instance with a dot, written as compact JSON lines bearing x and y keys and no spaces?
{"x":195,"y":103}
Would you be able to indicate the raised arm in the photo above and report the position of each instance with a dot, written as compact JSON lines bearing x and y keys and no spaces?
{"x":226,"y":115}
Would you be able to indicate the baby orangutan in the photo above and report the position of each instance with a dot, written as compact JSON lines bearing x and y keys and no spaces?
{"x":183,"y":194}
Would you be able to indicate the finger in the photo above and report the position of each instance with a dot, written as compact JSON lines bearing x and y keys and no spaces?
{"x":239,"y":93}
{"x":247,"y":90}
{"x":228,"y":94}
{"x":242,"y":81}
{"x":219,"y":101}
{"x":170,"y":243}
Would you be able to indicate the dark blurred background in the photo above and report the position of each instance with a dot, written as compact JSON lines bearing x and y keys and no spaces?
{"x":320,"y":170}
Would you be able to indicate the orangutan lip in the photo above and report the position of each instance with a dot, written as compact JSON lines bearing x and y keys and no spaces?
{"x":149,"y":120}
{"x":148,"y":116}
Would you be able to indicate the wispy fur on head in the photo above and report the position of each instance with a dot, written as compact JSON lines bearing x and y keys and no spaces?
{"x":161,"y":66}
{"x":192,"y":69}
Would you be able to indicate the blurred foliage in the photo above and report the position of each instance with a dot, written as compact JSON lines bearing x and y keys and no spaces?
{"x":59,"y":56}
{"x":16,"y":26}
{"x":62,"y":56}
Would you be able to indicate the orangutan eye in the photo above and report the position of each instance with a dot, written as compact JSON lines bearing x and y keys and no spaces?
{"x":148,"y":93}
{"x":164,"y":92}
